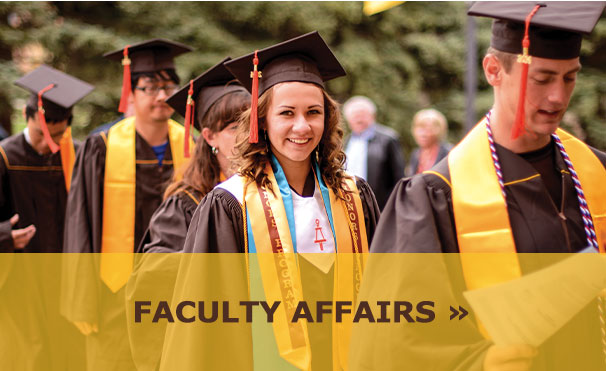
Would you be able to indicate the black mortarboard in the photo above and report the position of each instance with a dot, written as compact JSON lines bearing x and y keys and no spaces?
{"x":555,"y":30}
{"x":550,"y":29}
{"x":148,"y":56}
{"x":305,"y":58}
{"x":151,"y":55}
{"x":207,"y":88}
{"x":59,"y":100}
{"x":54,"y":93}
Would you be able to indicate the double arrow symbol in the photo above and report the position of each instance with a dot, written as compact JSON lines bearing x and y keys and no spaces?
{"x":454,"y":312}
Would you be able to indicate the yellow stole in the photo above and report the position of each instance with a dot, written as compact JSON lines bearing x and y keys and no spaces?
{"x":480,"y":211}
{"x":280,"y":273}
{"x":68,"y":156}
{"x":118,"y":228}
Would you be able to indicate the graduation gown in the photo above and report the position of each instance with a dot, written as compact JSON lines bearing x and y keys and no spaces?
{"x":169,"y":224}
{"x":154,"y":275}
{"x":84,"y":296}
{"x":33,"y":186}
{"x":419,"y":218}
{"x":33,"y":335}
{"x":217,"y":227}
{"x":221,"y":208}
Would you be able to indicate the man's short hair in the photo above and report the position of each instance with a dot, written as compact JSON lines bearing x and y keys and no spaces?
{"x":507,"y":59}
{"x":165,"y":75}
{"x":31,"y":113}
{"x":359,"y":101}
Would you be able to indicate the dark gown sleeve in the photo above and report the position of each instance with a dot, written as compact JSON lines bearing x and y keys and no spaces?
{"x":6,"y":238}
{"x":168,"y":226}
{"x":154,"y":275}
{"x":217,"y":225}
{"x":369,"y":208}
{"x":84,"y":211}
{"x":82,"y":234}
{"x":417,"y":218}
{"x":6,"y":246}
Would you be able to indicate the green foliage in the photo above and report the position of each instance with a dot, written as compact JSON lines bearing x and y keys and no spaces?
{"x":407,"y":58}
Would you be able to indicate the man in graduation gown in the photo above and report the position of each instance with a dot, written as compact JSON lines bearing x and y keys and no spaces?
{"x":513,"y":184}
{"x":119,"y":179}
{"x":35,"y":174}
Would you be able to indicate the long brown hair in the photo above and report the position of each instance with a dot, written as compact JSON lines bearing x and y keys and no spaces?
{"x":250,"y":158}
{"x":203,"y":171}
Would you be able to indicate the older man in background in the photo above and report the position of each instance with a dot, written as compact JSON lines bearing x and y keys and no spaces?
{"x":373,"y":150}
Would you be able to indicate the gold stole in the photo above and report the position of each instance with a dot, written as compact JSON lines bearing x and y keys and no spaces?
{"x":118,"y":228}
{"x":68,"y":156}
{"x":480,"y":211}
{"x":280,"y":273}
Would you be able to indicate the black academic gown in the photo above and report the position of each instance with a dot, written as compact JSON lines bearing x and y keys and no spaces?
{"x":32,"y":185}
{"x":33,"y":335}
{"x":220,"y":208}
{"x":84,"y":296}
{"x":418,"y":218}
{"x":169,"y":224}
{"x":154,"y":275}
{"x":217,"y":227}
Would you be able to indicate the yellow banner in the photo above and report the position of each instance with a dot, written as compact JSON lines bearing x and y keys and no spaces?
{"x":413,"y":312}
{"x":374,"y":7}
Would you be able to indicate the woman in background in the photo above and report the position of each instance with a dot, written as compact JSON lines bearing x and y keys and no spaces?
{"x":429,"y":129}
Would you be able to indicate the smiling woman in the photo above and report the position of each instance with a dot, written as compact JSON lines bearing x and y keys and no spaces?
{"x":298,"y":121}
{"x":290,"y":195}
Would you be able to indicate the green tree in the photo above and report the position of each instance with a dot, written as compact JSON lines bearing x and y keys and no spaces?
{"x":407,"y":58}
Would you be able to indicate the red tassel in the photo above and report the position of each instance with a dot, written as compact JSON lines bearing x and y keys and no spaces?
{"x":126,"y":86}
{"x":189,"y":107}
{"x":51,"y":144}
{"x":519,"y":123}
{"x":254,"y":125}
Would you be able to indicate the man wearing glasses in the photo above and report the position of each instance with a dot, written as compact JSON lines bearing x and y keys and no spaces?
{"x":118,"y":182}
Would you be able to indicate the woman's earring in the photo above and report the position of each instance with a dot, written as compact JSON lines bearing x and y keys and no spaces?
{"x":214,"y":150}
{"x":318,"y":155}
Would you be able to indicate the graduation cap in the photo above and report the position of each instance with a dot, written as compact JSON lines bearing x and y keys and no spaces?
{"x":54,"y":93}
{"x":550,"y":29}
{"x":148,"y":56}
{"x":208,"y":88}
{"x":305,"y":58}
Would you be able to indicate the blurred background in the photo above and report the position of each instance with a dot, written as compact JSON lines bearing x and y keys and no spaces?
{"x":412,"y":56}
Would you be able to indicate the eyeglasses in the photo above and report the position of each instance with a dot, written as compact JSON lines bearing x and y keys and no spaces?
{"x":153,"y":90}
